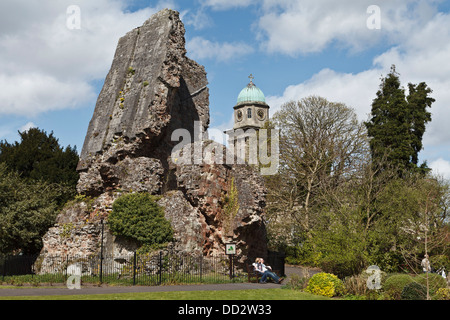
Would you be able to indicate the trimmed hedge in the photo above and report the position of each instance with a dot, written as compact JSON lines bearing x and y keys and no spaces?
{"x":395,"y":283}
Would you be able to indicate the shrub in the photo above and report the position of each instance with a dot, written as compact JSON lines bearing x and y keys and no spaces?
{"x":325,"y":284}
{"x":137,"y":216}
{"x":443,"y":294}
{"x":414,"y":291}
{"x":394,"y":284}
{"x":355,"y":285}
{"x":435,"y":281}
{"x":342,"y":255}
{"x":342,"y":265}
{"x":297,"y":282}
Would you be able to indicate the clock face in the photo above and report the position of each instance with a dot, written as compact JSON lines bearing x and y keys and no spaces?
{"x":261,"y":114}
{"x":239,"y":115}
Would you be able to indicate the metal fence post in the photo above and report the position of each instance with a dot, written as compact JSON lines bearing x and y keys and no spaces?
{"x":231,"y":266}
{"x":67,"y":264}
{"x":160,"y":268}
{"x":101,"y":269}
{"x":134,"y":268}
{"x":201,"y":268}
{"x":4,"y":266}
{"x":101,"y":252}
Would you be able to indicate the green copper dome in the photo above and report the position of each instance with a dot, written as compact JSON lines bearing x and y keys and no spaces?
{"x":251,"y":93}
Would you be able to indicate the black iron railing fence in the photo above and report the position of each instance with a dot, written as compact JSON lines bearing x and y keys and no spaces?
{"x":133,"y":269}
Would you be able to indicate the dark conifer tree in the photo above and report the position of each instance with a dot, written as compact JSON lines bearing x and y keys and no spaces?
{"x":39,"y":156}
{"x":418,"y":102}
{"x":397,"y":123}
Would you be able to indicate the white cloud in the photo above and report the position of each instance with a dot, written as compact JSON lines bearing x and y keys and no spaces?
{"x":47,"y":66}
{"x":293,"y":27}
{"x":355,"y":90}
{"x":441,"y":167}
{"x":198,"y":19}
{"x":29,"y":94}
{"x":424,"y":53}
{"x":226,"y":4}
{"x":200,"y":48}
{"x":27,"y":126}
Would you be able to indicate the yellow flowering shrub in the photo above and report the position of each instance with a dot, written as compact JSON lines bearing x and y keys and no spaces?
{"x":325,"y":284}
{"x":443,"y":294}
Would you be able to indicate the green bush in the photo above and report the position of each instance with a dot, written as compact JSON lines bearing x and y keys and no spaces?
{"x":395,"y":283}
{"x":137,"y":216}
{"x":325,"y":284}
{"x":435,"y":282}
{"x":414,"y":291}
{"x":342,"y":265}
{"x":341,"y":254}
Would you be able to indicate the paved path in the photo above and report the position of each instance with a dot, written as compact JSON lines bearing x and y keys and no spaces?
{"x":300,"y":271}
{"x":62,"y":290}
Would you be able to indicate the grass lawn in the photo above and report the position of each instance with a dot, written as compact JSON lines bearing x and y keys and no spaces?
{"x":259,"y":294}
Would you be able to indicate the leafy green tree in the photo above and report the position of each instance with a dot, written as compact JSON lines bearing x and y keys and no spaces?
{"x":28,"y":208}
{"x":381,"y":219}
{"x":40,"y":157}
{"x":138,"y":217}
{"x":398,"y":122}
{"x":407,"y":209}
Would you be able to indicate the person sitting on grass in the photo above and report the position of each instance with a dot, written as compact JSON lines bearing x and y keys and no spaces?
{"x":265,"y":271}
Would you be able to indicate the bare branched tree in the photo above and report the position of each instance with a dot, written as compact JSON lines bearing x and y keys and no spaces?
{"x":321,"y":144}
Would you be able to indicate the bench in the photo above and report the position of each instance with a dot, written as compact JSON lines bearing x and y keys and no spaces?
{"x":254,"y":276}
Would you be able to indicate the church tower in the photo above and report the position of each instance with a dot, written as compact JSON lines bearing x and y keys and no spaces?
{"x":251,"y":110}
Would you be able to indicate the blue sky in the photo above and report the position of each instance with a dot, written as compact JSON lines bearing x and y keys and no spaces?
{"x":51,"y":74}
